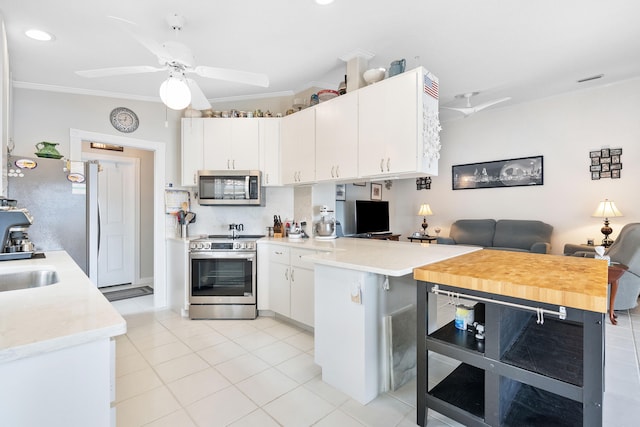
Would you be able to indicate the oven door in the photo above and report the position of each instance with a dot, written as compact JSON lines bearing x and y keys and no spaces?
{"x":222,"y":278}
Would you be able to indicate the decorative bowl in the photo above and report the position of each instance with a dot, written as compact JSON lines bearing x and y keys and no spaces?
{"x":373,"y":75}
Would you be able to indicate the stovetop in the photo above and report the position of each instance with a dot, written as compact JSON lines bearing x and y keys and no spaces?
{"x":236,"y":237}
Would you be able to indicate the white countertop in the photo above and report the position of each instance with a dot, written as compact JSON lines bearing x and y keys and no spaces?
{"x":68,"y":313}
{"x":386,"y":257}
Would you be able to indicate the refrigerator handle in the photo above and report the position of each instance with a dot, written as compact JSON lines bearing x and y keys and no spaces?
{"x":99,"y":228}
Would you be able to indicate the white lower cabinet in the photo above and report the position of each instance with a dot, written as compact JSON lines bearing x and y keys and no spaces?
{"x":289,"y":282}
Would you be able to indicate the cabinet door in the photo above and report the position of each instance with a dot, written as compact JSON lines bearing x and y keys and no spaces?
{"x":245,"y":144}
{"x":270,"y":151}
{"x":217,"y":144}
{"x":192,"y":145}
{"x":388,"y":126}
{"x":279,"y":289}
{"x":337,"y":138}
{"x":298,"y":147}
{"x":302,"y":298}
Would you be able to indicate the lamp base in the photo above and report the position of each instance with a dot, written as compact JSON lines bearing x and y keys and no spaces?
{"x":424,"y":228}
{"x":606,"y":230}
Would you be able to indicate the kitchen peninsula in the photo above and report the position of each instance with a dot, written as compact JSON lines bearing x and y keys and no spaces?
{"x":541,"y":361}
{"x":358,"y":283}
{"x":56,"y":348}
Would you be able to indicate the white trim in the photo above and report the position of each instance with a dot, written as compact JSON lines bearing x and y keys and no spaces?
{"x":76,"y":137}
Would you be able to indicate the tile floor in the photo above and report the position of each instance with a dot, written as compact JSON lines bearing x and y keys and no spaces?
{"x":180,"y":373}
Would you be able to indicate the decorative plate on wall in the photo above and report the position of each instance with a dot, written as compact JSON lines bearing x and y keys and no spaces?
{"x":124,"y":120}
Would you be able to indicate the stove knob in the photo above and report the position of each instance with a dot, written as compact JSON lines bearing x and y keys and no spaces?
{"x":207,"y":245}
{"x":197,"y":245}
{"x":250,"y":245}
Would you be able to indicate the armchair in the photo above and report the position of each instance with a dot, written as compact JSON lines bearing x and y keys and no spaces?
{"x":625,"y":250}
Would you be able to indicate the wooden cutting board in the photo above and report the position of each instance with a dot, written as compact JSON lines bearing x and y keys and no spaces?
{"x":575,"y":282}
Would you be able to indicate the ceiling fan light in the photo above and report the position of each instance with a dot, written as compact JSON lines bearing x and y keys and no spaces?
{"x":175,"y":93}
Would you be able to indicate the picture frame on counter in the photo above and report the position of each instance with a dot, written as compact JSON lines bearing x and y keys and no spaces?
{"x":376,"y":191}
{"x":519,"y":172}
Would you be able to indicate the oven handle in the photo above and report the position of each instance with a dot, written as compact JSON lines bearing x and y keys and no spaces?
{"x":222,"y":255}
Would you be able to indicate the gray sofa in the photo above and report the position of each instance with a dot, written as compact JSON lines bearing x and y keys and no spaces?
{"x":624,"y":250}
{"x":504,"y":234}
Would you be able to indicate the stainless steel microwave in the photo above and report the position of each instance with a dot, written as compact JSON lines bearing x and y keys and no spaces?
{"x":229,"y":187}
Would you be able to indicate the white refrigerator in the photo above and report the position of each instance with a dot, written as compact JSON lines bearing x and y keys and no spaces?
{"x":62,"y":197}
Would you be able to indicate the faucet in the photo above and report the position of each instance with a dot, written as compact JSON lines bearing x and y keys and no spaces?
{"x":235,"y":227}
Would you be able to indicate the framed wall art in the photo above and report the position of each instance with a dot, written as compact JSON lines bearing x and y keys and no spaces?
{"x":605,"y":163}
{"x":376,"y":191}
{"x":523,"y":171}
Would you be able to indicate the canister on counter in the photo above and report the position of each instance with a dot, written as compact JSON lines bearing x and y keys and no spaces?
{"x":464,"y":316}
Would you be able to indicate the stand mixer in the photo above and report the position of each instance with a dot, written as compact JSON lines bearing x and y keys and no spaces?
{"x":325,"y":229}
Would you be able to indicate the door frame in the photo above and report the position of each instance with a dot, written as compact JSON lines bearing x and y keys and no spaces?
{"x":135,"y":162}
{"x":76,"y":136}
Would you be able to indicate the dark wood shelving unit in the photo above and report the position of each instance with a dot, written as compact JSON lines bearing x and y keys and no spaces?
{"x":522,"y":373}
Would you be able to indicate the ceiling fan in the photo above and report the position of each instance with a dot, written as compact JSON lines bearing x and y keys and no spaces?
{"x":469,"y":110}
{"x":178,"y":91}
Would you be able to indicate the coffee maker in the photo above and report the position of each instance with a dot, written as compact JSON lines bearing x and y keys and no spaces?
{"x":14,"y":223}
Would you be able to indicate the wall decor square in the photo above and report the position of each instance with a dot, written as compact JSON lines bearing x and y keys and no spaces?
{"x":605,"y":163}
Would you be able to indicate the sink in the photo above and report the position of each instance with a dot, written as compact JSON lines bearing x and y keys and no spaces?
{"x":14,"y":280}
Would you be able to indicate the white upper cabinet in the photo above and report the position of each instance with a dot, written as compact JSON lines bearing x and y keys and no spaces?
{"x":192,"y":142}
{"x":397,"y":118}
{"x":270,"y":151}
{"x":337,"y":138}
{"x":231,"y":144}
{"x":298,"y":147}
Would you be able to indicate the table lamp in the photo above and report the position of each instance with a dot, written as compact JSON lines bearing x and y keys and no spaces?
{"x":424,"y":211}
{"x":606,"y":209}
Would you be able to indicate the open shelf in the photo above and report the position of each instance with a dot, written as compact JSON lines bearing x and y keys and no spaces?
{"x":464,"y":388}
{"x":449,"y":334}
{"x":553,"y":349}
{"x":534,"y":407}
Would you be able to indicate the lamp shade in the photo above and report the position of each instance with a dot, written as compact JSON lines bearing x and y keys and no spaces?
{"x":425,"y":210}
{"x":607,"y":209}
{"x":175,"y":93}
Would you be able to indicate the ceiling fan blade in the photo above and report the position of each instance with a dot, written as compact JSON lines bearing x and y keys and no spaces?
{"x":119,"y":71}
{"x":467,"y":111}
{"x":245,"y":77}
{"x":490,"y":103}
{"x":153,"y":46}
{"x":198,"y":99}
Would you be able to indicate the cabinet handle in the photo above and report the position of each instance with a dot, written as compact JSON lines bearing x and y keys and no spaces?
{"x":233,"y":164}
{"x":381,"y":165}
{"x":338,"y":171}
{"x":266,"y":178}
{"x":286,"y":274}
{"x":228,"y":164}
{"x":332,"y":168}
{"x":388,"y":164}
{"x":278,"y":253}
{"x":195,"y":179}
{"x":292,"y":270}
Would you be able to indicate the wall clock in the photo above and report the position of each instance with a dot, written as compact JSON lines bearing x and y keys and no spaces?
{"x":124,"y":120}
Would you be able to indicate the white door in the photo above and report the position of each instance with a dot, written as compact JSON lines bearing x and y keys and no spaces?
{"x":116,"y":201}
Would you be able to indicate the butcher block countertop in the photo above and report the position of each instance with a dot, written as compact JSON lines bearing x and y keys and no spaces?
{"x":579,"y":283}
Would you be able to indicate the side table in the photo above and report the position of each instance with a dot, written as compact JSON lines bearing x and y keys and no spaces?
{"x":615,"y":272}
{"x":424,"y":238}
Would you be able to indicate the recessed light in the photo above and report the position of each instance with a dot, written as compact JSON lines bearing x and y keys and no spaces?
{"x":39,"y":35}
{"x":324,"y":2}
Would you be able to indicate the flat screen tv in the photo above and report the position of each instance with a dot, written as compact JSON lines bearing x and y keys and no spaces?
{"x":372,"y":216}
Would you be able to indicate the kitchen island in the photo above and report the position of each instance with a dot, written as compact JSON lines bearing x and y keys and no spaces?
{"x":542,"y":356}
{"x":360,"y":285}
{"x":56,"y":348}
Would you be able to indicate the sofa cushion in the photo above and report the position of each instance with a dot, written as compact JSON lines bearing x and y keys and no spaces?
{"x":521,"y":234}
{"x":478,"y":232}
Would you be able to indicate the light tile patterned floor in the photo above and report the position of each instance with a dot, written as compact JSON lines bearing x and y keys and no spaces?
{"x":176,"y":372}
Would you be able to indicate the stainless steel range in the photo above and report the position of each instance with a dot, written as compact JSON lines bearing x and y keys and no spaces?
{"x":223,"y":277}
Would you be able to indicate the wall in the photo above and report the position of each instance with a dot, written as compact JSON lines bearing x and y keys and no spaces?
{"x":563,"y":129}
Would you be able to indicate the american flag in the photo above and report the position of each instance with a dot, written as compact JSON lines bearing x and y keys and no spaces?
{"x":430,"y":87}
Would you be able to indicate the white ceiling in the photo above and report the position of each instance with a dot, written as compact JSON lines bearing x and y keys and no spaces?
{"x":522,"y":49}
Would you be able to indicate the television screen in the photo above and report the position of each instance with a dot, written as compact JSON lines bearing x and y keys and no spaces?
{"x":372,"y":216}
